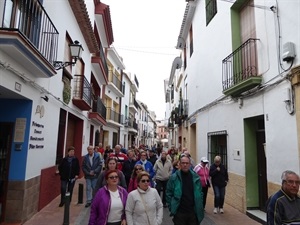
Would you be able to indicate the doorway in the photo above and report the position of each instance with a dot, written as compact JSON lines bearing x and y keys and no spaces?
{"x":261,"y":166}
{"x":256,"y":171}
{"x":6,"y":132}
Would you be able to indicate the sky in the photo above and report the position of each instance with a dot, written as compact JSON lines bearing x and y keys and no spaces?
{"x":145,"y":36}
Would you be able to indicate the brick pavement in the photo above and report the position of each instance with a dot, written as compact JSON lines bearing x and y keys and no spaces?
{"x":79,"y":215}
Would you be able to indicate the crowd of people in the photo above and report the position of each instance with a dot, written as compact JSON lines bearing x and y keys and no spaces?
{"x":133,"y":186}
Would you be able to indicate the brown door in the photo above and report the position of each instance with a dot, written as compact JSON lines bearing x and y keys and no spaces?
{"x":262,"y":171}
{"x":6,"y":131}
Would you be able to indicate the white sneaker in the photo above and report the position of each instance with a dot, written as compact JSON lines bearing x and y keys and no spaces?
{"x":215,"y":210}
{"x":221,"y":210}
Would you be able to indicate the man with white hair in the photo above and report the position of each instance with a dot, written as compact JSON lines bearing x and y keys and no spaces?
{"x":284,"y":205}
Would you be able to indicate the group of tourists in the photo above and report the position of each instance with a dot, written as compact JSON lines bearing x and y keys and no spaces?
{"x":133,"y":186}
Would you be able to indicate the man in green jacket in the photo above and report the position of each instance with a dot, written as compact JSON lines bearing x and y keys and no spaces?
{"x":184,"y":195}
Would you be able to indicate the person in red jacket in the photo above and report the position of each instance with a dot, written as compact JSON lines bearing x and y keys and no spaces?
{"x":121,"y":157}
{"x":202,"y":169}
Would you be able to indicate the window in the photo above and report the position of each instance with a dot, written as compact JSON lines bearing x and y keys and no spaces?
{"x":217,"y":145}
{"x":211,"y":10}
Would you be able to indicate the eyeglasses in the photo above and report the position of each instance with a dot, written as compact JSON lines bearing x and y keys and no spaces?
{"x":143,"y":155}
{"x":292,"y":182}
{"x":138,"y":169}
{"x":144,"y":181}
{"x":113,"y":177}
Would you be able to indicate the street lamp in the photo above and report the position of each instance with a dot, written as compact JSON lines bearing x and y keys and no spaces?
{"x":76,"y":51}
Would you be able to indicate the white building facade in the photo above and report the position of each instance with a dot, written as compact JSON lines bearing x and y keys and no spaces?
{"x":47,"y":104}
{"x":129,"y":108}
{"x":239,"y":74}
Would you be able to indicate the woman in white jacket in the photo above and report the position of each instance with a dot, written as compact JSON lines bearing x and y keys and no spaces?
{"x":144,"y":206}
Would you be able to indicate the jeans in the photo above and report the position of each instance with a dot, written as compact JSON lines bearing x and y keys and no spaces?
{"x":219,"y":196}
{"x":90,"y":186}
{"x":64,"y":185}
{"x":204,"y":191}
{"x":162,"y":186}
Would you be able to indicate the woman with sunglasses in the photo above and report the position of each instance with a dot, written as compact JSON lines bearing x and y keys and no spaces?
{"x":144,"y":206}
{"x":133,"y":184}
{"x":108,"y":207}
{"x":111,"y":164}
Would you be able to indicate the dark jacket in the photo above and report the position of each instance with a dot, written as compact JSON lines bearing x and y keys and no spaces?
{"x":281,"y":209}
{"x":127,"y":169}
{"x":218,"y":178}
{"x":68,"y":170}
{"x":87,"y":167}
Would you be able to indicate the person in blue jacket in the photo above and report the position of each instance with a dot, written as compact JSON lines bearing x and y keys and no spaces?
{"x":91,"y":167}
{"x":148,"y":167}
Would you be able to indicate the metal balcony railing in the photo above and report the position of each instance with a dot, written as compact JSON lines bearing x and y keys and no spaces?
{"x":99,"y":107}
{"x":115,"y":80}
{"x":136,"y":81}
{"x":240,"y":65}
{"x":113,"y":115}
{"x":135,"y":103}
{"x":31,"y":20}
{"x":135,"y":125}
{"x":103,"y":60}
{"x":145,"y":133}
{"x":82,"y":89}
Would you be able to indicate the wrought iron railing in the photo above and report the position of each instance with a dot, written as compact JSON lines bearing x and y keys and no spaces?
{"x":99,"y":107}
{"x":136,"y":81}
{"x":135,"y":125}
{"x":240,"y":65}
{"x":115,"y":80}
{"x":145,"y":133}
{"x":111,"y":114}
{"x":135,"y":103}
{"x":82,"y":89}
{"x":31,"y":20}
{"x":103,"y":60}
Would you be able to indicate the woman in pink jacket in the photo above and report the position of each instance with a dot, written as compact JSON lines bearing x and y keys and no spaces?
{"x":202,"y":170}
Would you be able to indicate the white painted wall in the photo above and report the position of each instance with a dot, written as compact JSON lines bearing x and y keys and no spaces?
{"x":212,"y":44}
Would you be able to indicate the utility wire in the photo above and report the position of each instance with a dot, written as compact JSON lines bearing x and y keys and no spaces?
{"x":146,"y":52}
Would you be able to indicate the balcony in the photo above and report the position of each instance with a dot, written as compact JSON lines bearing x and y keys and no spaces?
{"x":145,"y":134}
{"x":133,"y":106}
{"x":183,"y":109}
{"x":115,"y":84}
{"x":130,"y":124}
{"x":135,"y":84}
{"x":98,"y":113}
{"x":135,"y":125}
{"x":240,"y":69}
{"x":28,"y":36}
{"x":113,"y":117}
{"x":99,"y":65}
{"x":103,"y":23}
{"x":82,"y":95}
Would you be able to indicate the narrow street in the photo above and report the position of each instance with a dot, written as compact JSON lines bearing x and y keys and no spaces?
{"x":79,"y":215}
